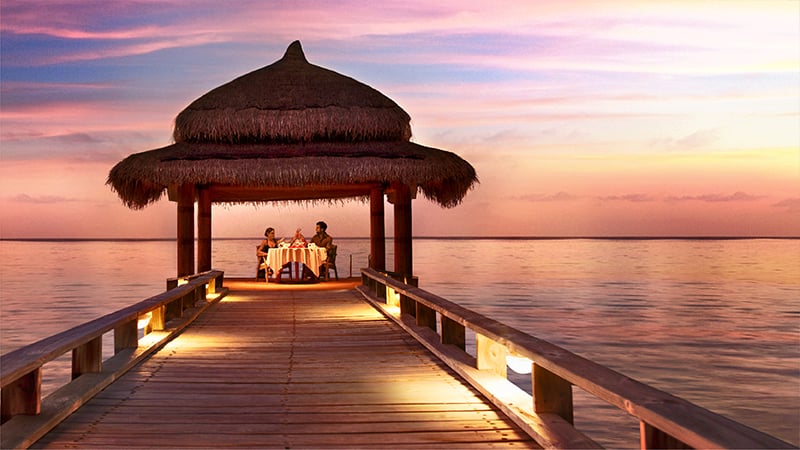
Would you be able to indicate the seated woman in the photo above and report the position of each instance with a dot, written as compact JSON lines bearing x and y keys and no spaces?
{"x":262,"y":249}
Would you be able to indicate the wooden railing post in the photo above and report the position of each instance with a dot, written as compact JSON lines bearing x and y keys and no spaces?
{"x":126,"y":336}
{"x":88,"y":358}
{"x":22,"y":396}
{"x":454,"y":333}
{"x":426,"y":317}
{"x":211,"y":287}
{"x":218,"y":281}
{"x":551,"y":393}
{"x":172,"y":283}
{"x":199,"y":294}
{"x":174,"y":310}
{"x":158,"y":319}
{"x":407,"y":305}
{"x":652,"y":437}
{"x":491,"y":355}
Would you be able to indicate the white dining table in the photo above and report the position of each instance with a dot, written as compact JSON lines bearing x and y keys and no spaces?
{"x":312,"y":257}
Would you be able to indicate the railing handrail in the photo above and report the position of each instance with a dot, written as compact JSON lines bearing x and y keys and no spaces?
{"x":690,"y":423}
{"x":23,"y":360}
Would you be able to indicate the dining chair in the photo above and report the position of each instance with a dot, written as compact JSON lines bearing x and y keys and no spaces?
{"x":330,"y":264}
{"x":261,"y":269}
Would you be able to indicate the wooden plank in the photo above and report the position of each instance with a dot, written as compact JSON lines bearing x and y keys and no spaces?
{"x":549,"y":430}
{"x":267,"y":369}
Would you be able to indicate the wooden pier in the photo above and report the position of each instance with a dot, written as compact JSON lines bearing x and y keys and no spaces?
{"x":269,"y":366}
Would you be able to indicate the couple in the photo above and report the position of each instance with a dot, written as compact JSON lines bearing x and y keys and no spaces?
{"x":321,"y":239}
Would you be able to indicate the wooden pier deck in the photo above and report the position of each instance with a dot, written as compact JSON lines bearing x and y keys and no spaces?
{"x":297,"y":368}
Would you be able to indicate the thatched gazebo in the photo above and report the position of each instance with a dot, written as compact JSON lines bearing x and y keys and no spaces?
{"x":292,"y":131}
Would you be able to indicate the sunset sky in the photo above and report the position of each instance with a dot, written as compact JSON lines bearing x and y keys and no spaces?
{"x":582,"y":118}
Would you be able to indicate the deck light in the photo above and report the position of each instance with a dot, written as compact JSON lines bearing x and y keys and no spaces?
{"x":519,"y":364}
{"x":144,"y":320}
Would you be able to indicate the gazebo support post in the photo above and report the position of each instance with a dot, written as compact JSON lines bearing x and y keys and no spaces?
{"x":377,"y":230}
{"x":185,"y":229}
{"x":203,"y":229}
{"x":403,"y":260}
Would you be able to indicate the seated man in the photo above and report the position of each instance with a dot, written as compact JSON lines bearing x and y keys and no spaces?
{"x":322,"y":238}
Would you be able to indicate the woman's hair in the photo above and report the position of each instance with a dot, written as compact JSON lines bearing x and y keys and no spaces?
{"x":268,"y":230}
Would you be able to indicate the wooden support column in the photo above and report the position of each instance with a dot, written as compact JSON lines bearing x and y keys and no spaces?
{"x":185,"y":230}
{"x":203,"y":229}
{"x":377,"y":230}
{"x":403,"y":258}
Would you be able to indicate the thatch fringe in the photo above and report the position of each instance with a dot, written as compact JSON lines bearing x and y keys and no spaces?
{"x":442,"y":176}
{"x":329,"y":124}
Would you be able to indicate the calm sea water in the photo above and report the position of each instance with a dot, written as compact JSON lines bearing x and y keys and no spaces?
{"x":716,"y":322}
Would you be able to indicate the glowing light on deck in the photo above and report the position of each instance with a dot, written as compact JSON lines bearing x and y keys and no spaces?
{"x":144,"y":320}
{"x":519,"y":364}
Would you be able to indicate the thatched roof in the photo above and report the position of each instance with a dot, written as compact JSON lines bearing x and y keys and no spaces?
{"x":292,"y":100}
{"x":293,"y":125}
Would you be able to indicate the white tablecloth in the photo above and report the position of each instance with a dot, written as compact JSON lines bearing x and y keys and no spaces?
{"x":311,"y":257}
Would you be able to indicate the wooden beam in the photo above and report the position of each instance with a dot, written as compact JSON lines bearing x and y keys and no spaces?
{"x":377,"y":230}
{"x":203,"y":229}
{"x":221,"y":193}
{"x":185,"y":230}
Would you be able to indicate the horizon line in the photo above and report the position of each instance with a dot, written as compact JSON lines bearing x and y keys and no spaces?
{"x":486,"y":238}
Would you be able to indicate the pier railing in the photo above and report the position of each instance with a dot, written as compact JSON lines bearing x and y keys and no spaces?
{"x":665,"y":421}
{"x":138,"y":330}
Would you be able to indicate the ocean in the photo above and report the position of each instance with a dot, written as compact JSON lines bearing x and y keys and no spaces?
{"x":714,"y":321}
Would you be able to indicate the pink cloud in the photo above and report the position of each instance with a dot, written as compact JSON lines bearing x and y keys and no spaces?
{"x":716,"y":198}
{"x":629,"y":198}
{"x":41,"y":199}
{"x":557,"y":197}
{"x":790,"y":204}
